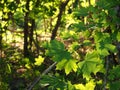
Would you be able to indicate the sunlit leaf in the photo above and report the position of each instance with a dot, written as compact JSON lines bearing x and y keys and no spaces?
{"x":79,"y":87}
{"x":31,"y":5}
{"x":87,"y":43}
{"x":85,"y":4}
{"x":6,"y":9}
{"x":111,"y":47}
{"x":92,"y":2}
{"x":90,"y":85}
{"x":118,"y":36}
{"x":9,"y":68}
{"x":10,"y":0}
{"x":74,"y":46}
{"x":91,"y":55}
{"x":70,"y":34}
{"x":70,"y":86}
{"x":1,"y":14}
{"x":70,"y":65}
{"x":103,"y":52}
{"x":39,"y":60}
{"x":28,"y":66}
{"x":61,"y":64}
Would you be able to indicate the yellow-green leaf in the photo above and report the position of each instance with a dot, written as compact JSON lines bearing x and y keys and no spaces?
{"x":92,"y":2}
{"x":1,"y":13}
{"x":39,"y":60}
{"x":79,"y":87}
{"x":118,"y":36}
{"x":70,"y":65}
{"x":9,"y":68}
{"x":27,"y":66}
{"x":90,"y":85}
{"x":111,"y":47}
{"x":61,"y":64}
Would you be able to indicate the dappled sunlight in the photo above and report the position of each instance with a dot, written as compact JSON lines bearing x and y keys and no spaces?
{"x":59,"y":45}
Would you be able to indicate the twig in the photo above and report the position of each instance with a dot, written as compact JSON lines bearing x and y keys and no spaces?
{"x":38,"y":79}
{"x":37,"y":46}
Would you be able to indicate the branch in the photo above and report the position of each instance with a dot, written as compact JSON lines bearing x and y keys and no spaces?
{"x":38,"y":79}
{"x":37,"y":46}
{"x":62,"y":8}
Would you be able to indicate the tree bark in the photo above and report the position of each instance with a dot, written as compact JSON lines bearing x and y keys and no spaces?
{"x":26,"y":17}
{"x":62,"y":8}
{"x":1,"y":43}
{"x":31,"y":32}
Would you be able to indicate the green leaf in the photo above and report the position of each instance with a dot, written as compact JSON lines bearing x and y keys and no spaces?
{"x":91,"y":55}
{"x":111,"y":47}
{"x":103,"y":52}
{"x":102,"y":37}
{"x":104,"y":44}
{"x":54,"y":44}
{"x":103,"y":4}
{"x":112,"y":73}
{"x":54,"y":82}
{"x":87,"y":43}
{"x":9,"y":68}
{"x":71,"y":65}
{"x":81,"y":12}
{"x":118,"y":36}
{"x":39,"y":60}
{"x":68,"y":65}
{"x":61,"y":64}
{"x":80,"y":26}
{"x":57,"y":51}
{"x":90,"y":64}
{"x":115,"y":85}
{"x":70,"y":34}
{"x":74,"y":46}
{"x":61,"y":55}
{"x":70,"y":86}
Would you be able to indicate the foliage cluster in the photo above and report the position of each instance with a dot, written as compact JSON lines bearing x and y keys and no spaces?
{"x":83,"y":40}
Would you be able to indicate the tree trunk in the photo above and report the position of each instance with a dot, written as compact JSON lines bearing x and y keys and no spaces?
{"x":62,"y":8}
{"x":26,"y":29}
{"x":31,"y":33}
{"x":1,"y":44}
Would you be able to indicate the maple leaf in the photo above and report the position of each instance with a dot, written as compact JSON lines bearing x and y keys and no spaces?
{"x":91,"y":64}
{"x":39,"y":60}
{"x":68,"y":65}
